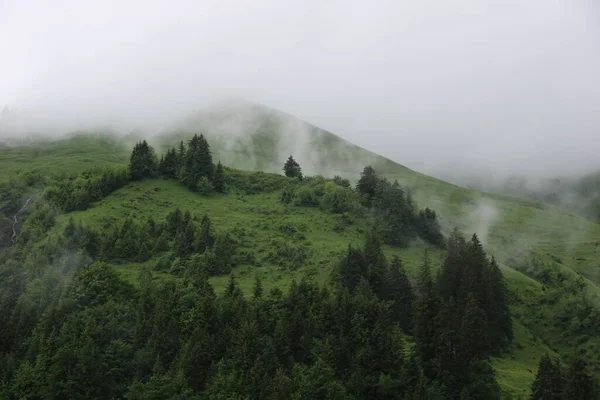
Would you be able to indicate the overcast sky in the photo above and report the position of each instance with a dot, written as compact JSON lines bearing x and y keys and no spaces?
{"x":510,"y":84}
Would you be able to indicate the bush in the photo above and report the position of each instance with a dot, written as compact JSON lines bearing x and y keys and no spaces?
{"x":288,"y":254}
{"x":338,"y":199}
{"x":254,"y":182}
{"x":204,"y":186}
{"x":306,"y":197}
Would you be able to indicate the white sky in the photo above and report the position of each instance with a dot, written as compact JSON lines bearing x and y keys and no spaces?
{"x":510,"y":85}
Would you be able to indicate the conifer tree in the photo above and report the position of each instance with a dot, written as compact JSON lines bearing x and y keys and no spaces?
{"x":352,"y":269}
{"x":143,"y":162}
{"x":376,"y":264}
{"x":204,"y":158}
{"x":496,"y":307}
{"x":579,"y":384}
{"x":258,"y":287}
{"x":174,"y":221}
{"x":399,"y":290}
{"x":474,"y":338}
{"x":184,"y":240}
{"x":205,"y":237}
{"x":292,"y":168}
{"x":549,"y":380}
{"x":452,"y":270}
{"x":170,"y":164}
{"x":181,"y":151}
{"x":219,"y":179}
{"x":427,"y":310}
{"x":162,"y":243}
{"x":367,"y":184}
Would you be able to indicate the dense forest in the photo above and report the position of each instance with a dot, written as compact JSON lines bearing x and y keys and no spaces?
{"x":72,"y":328}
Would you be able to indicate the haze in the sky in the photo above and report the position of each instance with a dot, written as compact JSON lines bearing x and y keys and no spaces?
{"x":510,"y":85}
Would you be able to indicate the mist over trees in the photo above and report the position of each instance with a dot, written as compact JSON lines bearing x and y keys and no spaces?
{"x":73,"y":324}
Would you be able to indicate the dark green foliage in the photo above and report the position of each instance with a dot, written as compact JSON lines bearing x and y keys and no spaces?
{"x":399,"y":290}
{"x":205,"y":236}
{"x":170,"y":164}
{"x":99,"y":336}
{"x":185,"y":237}
{"x":292,"y":169}
{"x":427,"y":310}
{"x":77,"y":192}
{"x":579,"y":384}
{"x":352,"y":268}
{"x":395,"y":215}
{"x":549,"y":380}
{"x":218,"y":259}
{"x":204,"y":186}
{"x":258,"y":287}
{"x":196,"y":163}
{"x":367,"y":184}
{"x":219,"y":179}
{"x":467,"y":272}
{"x":143,"y":162}
{"x":474,"y":337}
{"x":429,"y":228}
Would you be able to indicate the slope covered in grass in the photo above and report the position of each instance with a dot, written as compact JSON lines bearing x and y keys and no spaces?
{"x":547,"y":317}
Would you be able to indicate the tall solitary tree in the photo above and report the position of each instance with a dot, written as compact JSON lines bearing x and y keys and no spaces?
{"x":292,"y":168}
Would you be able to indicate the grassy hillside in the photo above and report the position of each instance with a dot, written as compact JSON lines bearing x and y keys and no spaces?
{"x":251,"y":137}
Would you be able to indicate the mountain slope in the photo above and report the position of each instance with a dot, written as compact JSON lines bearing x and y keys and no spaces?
{"x":257,"y":138}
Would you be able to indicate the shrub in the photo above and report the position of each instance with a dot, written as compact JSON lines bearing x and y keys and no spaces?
{"x":204,"y":186}
{"x":338,"y":199}
{"x":306,"y":197}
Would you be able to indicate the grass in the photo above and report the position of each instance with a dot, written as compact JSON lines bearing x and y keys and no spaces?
{"x":511,"y":228}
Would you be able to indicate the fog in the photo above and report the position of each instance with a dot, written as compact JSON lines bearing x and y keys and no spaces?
{"x":451,"y":88}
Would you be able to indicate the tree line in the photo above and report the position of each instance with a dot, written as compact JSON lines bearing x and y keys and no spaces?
{"x":178,"y":242}
{"x":97,"y":336}
{"x":190,"y":163}
{"x":397,"y":218}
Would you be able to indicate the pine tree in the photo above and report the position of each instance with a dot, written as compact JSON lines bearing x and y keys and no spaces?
{"x":292,"y":168}
{"x":170,"y":164}
{"x":474,"y":338}
{"x":549,"y":380}
{"x":496,"y":307}
{"x":143,"y":162}
{"x":162,"y":243}
{"x":174,"y":221}
{"x":579,"y":384}
{"x":367,"y":184}
{"x":219,"y":179}
{"x":184,"y":240}
{"x":258,"y":287}
{"x":352,"y":269}
{"x":205,"y":238}
{"x":376,"y":264}
{"x":399,"y":290}
{"x":204,"y":158}
{"x":181,"y":152}
{"x":427,"y":310}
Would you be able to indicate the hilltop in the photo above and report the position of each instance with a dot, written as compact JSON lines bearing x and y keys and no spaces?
{"x":543,"y":251}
